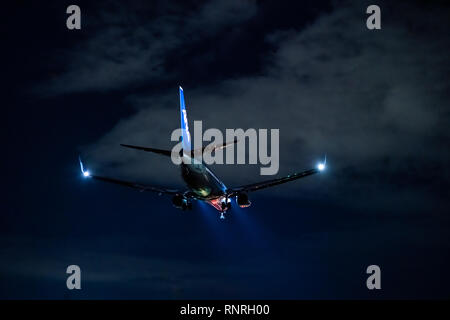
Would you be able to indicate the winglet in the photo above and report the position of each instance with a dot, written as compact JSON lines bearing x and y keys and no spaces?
{"x":84,"y":172}
{"x":322,"y":165}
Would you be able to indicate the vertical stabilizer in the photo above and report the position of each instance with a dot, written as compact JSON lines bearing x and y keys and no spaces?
{"x":186,"y":136}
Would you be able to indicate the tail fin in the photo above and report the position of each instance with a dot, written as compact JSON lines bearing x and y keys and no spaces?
{"x":186,"y":136}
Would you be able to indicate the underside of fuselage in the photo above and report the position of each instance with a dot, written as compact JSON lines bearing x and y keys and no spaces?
{"x":203,"y":183}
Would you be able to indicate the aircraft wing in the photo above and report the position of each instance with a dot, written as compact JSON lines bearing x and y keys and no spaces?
{"x":138,"y":186}
{"x":219,"y":146}
{"x":134,"y":185}
{"x":274,"y":182}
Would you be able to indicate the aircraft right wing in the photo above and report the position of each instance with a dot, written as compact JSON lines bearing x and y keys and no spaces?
{"x":273,"y":182}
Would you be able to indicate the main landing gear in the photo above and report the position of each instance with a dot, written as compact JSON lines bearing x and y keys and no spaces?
{"x":225,"y":206}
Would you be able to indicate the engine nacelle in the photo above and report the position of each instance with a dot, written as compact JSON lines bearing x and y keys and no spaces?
{"x":242,"y":200}
{"x":181,"y":202}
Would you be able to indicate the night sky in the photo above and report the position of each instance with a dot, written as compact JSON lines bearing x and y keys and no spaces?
{"x":376,"y":102}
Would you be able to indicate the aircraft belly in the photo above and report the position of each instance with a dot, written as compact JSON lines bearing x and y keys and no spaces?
{"x":202,"y":182}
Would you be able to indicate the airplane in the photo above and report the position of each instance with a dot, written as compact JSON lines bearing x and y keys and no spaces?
{"x":202,"y":184}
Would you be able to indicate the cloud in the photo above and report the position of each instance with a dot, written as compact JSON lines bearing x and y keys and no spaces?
{"x":374,"y":101}
{"x":128,"y":47}
{"x":143,"y":273}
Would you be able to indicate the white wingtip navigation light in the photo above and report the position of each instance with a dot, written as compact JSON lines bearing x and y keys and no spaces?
{"x":85,"y":173}
{"x":321,"y":166}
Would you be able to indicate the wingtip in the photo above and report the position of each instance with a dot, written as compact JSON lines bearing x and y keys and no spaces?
{"x":83,"y":171}
{"x":81,"y":164}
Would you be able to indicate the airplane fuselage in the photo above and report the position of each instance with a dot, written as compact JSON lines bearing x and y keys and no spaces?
{"x":203,"y":182}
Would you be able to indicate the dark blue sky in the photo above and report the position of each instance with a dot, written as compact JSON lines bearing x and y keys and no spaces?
{"x":377,"y":103}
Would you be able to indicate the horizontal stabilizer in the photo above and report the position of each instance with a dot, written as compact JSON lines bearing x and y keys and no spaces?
{"x":274,"y":182}
{"x":211,"y":148}
{"x":154,"y":150}
{"x":219,"y":146}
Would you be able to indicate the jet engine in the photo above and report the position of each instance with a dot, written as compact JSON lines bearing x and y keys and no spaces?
{"x":181,"y":202}
{"x":242,"y":200}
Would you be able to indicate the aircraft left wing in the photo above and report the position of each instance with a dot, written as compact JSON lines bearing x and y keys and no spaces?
{"x":138,"y":186}
{"x":134,"y":185}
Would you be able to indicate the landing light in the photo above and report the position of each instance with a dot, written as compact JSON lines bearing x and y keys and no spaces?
{"x":321,"y":166}
{"x":86,"y":173}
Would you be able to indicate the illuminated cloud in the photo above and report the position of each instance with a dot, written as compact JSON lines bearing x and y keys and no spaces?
{"x":331,"y":87}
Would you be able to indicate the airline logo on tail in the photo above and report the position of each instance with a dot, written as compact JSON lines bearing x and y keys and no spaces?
{"x":186,"y":136}
{"x":186,"y":128}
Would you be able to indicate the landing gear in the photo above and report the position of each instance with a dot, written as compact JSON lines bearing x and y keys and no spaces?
{"x":225,"y":206}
